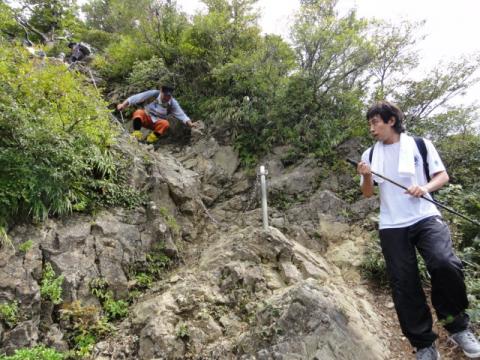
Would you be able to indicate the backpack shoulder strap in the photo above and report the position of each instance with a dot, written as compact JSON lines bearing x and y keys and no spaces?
{"x":423,"y":151}
{"x":370,"y":156}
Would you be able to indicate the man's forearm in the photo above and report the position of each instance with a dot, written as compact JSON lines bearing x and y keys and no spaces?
{"x":367,"y":186}
{"x":123,"y":105}
{"x":437,"y":181}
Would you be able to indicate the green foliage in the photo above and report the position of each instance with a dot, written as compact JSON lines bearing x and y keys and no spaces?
{"x":466,"y":202}
{"x":144,"y":281}
{"x":155,"y":264}
{"x":461,"y":155}
{"x":5,"y":240}
{"x":373,"y":266}
{"x":98,"y":39}
{"x":115,"y":16}
{"x":51,"y":285}
{"x":36,"y":353}
{"x":57,"y":48}
{"x":183,"y":331}
{"x":24,"y":247}
{"x":8,"y":26}
{"x":157,"y":261}
{"x":120,"y":56}
{"x":56,"y":143}
{"x":331,"y":50}
{"x":49,"y":18}
{"x":170,"y":220}
{"x":85,"y":327}
{"x":422,"y":99}
{"x":164,"y":30}
{"x":149,"y":74}
{"x":98,"y":288}
{"x":9,"y":313}
{"x":115,"y":309}
{"x":394,"y":54}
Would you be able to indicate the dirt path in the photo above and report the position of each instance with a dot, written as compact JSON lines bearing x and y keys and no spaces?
{"x":399,"y":345}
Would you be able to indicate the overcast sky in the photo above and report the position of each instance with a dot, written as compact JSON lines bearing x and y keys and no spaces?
{"x":451,"y":26}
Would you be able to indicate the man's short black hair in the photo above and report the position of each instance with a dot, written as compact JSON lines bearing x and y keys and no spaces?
{"x":386,"y":111}
{"x":167,"y":90}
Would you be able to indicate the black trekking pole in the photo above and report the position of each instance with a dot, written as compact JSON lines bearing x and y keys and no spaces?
{"x":354,"y":163}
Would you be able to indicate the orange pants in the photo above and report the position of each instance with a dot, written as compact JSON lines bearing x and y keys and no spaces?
{"x":159,"y":127}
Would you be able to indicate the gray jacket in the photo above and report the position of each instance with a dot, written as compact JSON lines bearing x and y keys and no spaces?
{"x":156,"y":109}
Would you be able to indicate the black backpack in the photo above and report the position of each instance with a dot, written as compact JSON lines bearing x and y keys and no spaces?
{"x":423,"y":151}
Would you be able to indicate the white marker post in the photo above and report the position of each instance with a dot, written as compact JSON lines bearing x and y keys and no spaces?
{"x":263,"y":183}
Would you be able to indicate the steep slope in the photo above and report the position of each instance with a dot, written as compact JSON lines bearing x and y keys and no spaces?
{"x":293,"y":292}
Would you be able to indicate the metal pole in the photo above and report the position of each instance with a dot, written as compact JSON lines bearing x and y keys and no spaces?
{"x":263,"y":183}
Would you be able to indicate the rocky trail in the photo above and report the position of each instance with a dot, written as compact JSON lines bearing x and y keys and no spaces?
{"x":233,"y":291}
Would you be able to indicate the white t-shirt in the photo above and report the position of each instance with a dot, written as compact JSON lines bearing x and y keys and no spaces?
{"x":398,"y":209}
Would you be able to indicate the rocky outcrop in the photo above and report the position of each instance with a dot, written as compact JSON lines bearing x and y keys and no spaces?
{"x":86,"y":248}
{"x":254,"y":295}
{"x":238,"y":292}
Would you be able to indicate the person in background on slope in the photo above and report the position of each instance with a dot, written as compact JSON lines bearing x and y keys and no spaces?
{"x":408,"y":222}
{"x":159,"y":105}
{"x":79,"y":51}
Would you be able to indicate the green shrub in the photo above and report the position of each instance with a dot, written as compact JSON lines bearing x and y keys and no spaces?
{"x":9,"y":313}
{"x":56,"y":139}
{"x":470,"y":257}
{"x":145,"y":272}
{"x":183,"y":331}
{"x":24,"y":247}
{"x":149,"y":74}
{"x":8,"y":25}
{"x":157,"y":262}
{"x":97,"y":38}
{"x":120,"y":56}
{"x":373,"y":266}
{"x":170,"y":220}
{"x":114,"y":309}
{"x":466,"y":201}
{"x":4,"y":238}
{"x":36,"y":353}
{"x":85,"y":327}
{"x":51,"y":285}
{"x":144,"y":281}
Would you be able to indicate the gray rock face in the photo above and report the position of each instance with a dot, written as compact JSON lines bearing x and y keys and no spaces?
{"x":302,"y":322}
{"x":295,"y":180}
{"x":81,"y":249}
{"x":240,"y":292}
{"x":23,"y":335}
{"x":255,"y":295}
{"x":85,"y":248}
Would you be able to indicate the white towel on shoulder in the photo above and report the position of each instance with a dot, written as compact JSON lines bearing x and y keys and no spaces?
{"x":406,"y":160}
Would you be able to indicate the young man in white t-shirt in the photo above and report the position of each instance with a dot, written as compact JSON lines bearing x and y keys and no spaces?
{"x":408,"y":222}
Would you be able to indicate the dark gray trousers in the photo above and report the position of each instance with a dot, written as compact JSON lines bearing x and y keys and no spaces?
{"x":431,"y":237}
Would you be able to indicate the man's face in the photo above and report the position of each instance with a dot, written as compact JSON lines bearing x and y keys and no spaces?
{"x":165,"y":98}
{"x":380,"y":130}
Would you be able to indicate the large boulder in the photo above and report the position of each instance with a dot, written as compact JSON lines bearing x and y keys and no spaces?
{"x":253,"y":294}
{"x":308,"y":321}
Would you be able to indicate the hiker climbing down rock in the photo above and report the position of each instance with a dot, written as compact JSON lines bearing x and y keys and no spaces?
{"x":408,"y":222}
{"x":79,"y":51}
{"x":158,"y":105}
